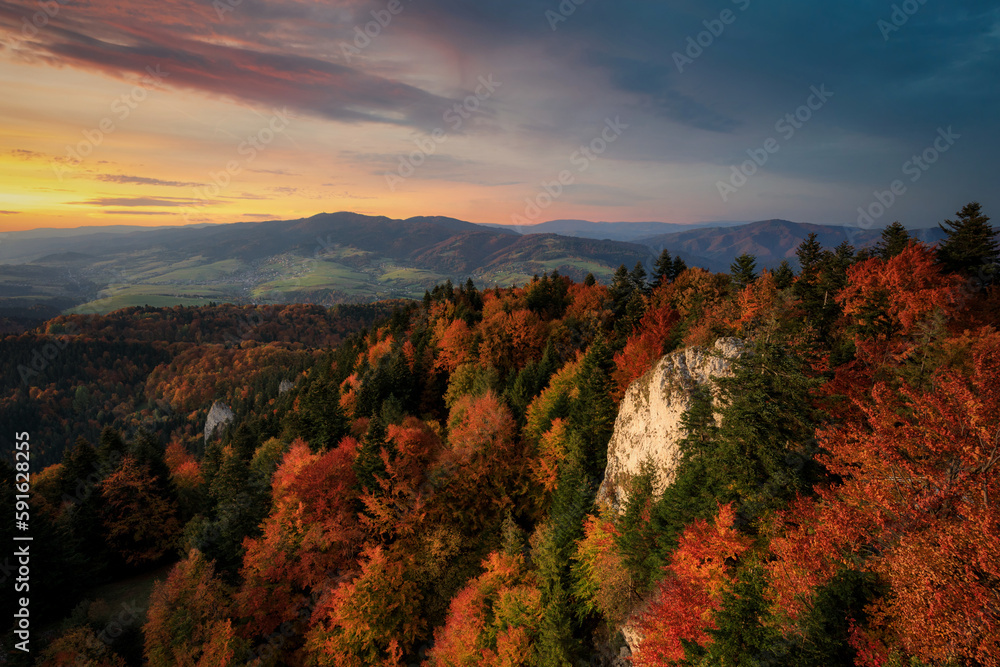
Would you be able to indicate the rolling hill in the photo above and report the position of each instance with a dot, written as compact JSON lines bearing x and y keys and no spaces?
{"x":348,"y":257}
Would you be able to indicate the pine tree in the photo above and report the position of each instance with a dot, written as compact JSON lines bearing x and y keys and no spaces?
{"x":894,"y":241}
{"x":972,"y":242}
{"x":663,"y":269}
{"x":743,"y":270}
{"x":638,"y":278}
{"x":369,"y":464}
{"x":783,"y":275}
{"x":679,"y":267}
{"x":622,"y":289}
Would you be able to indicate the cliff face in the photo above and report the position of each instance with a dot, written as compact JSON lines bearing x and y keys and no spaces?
{"x":648,"y":426}
{"x":219,"y":415}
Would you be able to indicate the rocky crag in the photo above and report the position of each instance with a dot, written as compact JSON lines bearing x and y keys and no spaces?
{"x":648,"y":426}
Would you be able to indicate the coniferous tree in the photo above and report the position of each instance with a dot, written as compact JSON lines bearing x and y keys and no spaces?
{"x":663,"y":268}
{"x":972,"y":244}
{"x":894,"y":241}
{"x":743,"y":270}
{"x":679,"y":267}
{"x":783,"y":275}
{"x":638,"y":278}
{"x":622,"y":289}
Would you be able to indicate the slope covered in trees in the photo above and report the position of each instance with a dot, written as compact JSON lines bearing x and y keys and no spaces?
{"x":426,"y":492}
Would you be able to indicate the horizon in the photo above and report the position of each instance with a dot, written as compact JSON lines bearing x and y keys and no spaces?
{"x":682,"y":226}
{"x":500,"y":113}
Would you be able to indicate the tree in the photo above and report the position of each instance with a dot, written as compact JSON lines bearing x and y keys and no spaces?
{"x":494,"y":620}
{"x":139,"y":517}
{"x":743,"y":270}
{"x":679,"y":267}
{"x":663,"y":269}
{"x":894,"y":241}
{"x":697,"y":577}
{"x":783,"y":275}
{"x":638,"y":278}
{"x":622,"y":290}
{"x":372,"y":620}
{"x":972,"y":242}
{"x":188,"y":613}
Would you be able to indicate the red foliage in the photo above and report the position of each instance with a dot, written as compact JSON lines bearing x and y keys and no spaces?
{"x":311,"y":532}
{"x":647,"y":344}
{"x":692,"y":590}
{"x":919,"y":497}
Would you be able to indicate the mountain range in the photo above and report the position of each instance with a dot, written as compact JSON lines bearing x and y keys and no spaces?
{"x":348,"y":257}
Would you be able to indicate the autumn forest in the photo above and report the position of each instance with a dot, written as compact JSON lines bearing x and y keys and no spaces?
{"x":416,"y":482}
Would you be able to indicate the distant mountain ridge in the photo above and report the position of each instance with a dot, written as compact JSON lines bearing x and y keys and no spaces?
{"x":350,"y":257}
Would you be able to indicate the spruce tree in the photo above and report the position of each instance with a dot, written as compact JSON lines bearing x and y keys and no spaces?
{"x":638,"y":278}
{"x":663,"y":268}
{"x":783,"y":275}
{"x":971,"y":245}
{"x":743,"y":270}
{"x":895,"y":238}
{"x":679,"y":267}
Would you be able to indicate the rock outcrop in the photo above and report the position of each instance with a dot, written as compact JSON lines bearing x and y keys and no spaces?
{"x":648,"y":427}
{"x":219,"y":415}
{"x":286,"y":385}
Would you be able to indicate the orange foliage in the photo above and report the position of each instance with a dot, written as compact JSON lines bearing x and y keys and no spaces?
{"x":756,"y":303}
{"x":511,"y":339}
{"x":373,"y":620}
{"x":398,"y":508}
{"x":184,"y":614}
{"x":184,"y":468}
{"x":494,"y":621}
{"x":692,"y":590}
{"x":311,"y":532}
{"x":902,"y":291}
{"x":603,"y":583}
{"x":919,"y":493}
{"x":551,"y":452}
{"x":453,"y":341}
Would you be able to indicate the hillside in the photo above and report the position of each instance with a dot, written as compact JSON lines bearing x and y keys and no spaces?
{"x":770,"y":241}
{"x":327,"y":258}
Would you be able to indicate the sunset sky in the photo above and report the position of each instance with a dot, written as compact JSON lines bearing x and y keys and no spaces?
{"x":182,"y":111}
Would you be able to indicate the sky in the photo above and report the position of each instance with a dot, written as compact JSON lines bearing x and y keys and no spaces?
{"x":500,"y":111}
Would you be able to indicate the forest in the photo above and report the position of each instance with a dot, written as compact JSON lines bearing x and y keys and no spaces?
{"x":426,"y":492}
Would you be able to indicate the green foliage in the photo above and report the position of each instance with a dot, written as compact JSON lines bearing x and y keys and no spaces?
{"x":894,"y":241}
{"x":783,"y":275}
{"x":743,"y":270}
{"x":972,"y":244}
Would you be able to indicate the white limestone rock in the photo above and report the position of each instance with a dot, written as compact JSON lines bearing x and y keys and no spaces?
{"x":219,"y":415}
{"x":648,"y":426}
